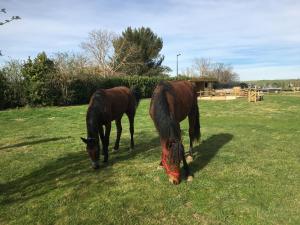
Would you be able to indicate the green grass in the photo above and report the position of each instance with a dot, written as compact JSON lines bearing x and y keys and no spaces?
{"x":246,"y":170}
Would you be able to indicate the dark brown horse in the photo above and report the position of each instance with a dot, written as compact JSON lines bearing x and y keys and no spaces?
{"x":105,"y":106}
{"x":171,"y":103}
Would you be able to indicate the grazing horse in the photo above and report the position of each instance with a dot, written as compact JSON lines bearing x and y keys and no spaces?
{"x":107,"y":105}
{"x":171,"y":103}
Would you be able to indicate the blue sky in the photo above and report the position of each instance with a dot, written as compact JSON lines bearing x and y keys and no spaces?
{"x":260,"y":39}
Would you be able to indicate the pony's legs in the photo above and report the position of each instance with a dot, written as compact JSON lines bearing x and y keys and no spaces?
{"x":106,"y":141}
{"x":119,"y":131}
{"x":185,"y":165}
{"x":131,"y":128}
{"x":191,"y":132}
{"x":163,"y":144}
{"x":101,"y":133}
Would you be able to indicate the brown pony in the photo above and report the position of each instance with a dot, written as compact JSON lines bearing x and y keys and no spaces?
{"x":105,"y":106}
{"x":171,"y":103}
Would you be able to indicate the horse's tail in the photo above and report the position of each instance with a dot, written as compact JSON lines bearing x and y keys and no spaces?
{"x":167,"y":126}
{"x":137,"y":94}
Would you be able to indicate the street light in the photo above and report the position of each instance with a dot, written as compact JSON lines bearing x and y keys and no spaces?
{"x":177,"y":64}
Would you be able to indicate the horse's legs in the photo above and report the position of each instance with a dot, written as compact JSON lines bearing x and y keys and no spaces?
{"x":131,"y":128}
{"x":185,"y":165}
{"x":101,"y":133}
{"x":162,"y":143}
{"x":106,"y":141}
{"x":191,"y":132}
{"x":119,"y":131}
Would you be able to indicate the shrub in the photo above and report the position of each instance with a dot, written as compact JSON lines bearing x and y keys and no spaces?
{"x":12,"y":89}
{"x":39,"y":75}
{"x":3,"y":90}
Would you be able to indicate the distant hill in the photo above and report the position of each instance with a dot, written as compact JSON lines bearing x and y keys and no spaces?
{"x":275,"y":83}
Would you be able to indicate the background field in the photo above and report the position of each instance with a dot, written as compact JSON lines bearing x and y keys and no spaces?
{"x":246,"y":168}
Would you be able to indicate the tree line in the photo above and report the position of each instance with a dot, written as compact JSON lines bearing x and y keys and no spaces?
{"x":57,"y":80}
{"x":106,"y":59}
{"x":205,"y":67}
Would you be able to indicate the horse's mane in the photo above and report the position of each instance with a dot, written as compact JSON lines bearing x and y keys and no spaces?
{"x":95,"y":111}
{"x":168,"y":128}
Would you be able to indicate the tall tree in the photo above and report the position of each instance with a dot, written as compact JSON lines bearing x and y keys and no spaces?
{"x":137,"y":52}
{"x":38,"y":75}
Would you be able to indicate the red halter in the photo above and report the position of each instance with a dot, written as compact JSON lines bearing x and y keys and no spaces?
{"x":171,"y":169}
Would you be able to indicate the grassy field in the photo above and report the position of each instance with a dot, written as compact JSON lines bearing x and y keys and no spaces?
{"x":246,"y":169}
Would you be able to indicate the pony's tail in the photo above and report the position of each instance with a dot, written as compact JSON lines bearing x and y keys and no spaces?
{"x":137,"y":94}
{"x":197,"y":133}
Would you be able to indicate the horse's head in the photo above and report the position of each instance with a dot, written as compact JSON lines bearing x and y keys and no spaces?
{"x":92,"y":147}
{"x":172,"y":155}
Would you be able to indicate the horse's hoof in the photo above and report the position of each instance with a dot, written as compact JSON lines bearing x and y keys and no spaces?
{"x":115,"y":149}
{"x":189,"y":159}
{"x":160,"y":167}
{"x":96,"y":167}
{"x":190,"y":178}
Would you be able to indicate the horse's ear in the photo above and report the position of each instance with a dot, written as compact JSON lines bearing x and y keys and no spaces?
{"x":84,"y":140}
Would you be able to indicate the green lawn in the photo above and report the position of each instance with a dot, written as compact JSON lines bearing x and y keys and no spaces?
{"x":246,"y":170}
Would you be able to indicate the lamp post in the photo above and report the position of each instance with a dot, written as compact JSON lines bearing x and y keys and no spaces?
{"x":177,"y":64}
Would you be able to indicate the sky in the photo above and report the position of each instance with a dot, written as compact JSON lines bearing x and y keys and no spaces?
{"x":259,"y":38}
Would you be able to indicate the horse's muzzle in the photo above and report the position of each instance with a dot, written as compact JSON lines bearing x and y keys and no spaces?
{"x":174,"y":180}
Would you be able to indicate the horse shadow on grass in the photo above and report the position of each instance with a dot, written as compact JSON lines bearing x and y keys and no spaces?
{"x":145,"y":145}
{"x":28,"y":143}
{"x":44,"y":179}
{"x":208,"y":149}
{"x":71,"y":170}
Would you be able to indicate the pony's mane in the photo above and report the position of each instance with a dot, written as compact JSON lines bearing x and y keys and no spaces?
{"x":168,"y":128}
{"x":94,"y":113}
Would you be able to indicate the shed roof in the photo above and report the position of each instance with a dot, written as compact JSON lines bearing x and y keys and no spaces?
{"x":203,"y":79}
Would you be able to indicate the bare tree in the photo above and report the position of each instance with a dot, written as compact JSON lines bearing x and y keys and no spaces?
{"x":99,"y":48}
{"x":104,"y":58}
{"x":189,"y":72}
{"x":7,"y":21}
{"x":202,"y":66}
{"x":224,"y":73}
{"x":68,"y":65}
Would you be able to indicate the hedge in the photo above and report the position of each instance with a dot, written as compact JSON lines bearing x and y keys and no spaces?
{"x":79,"y":89}
{"x":82,"y":89}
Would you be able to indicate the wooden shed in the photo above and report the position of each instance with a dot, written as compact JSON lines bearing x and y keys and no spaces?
{"x":204,"y":84}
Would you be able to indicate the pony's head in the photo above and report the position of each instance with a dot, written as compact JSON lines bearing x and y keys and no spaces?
{"x":92,"y":148}
{"x":172,"y":154}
